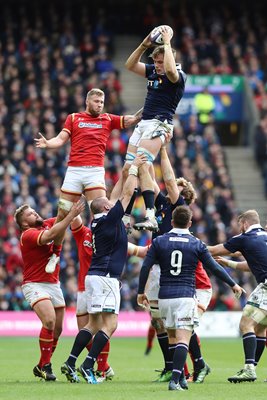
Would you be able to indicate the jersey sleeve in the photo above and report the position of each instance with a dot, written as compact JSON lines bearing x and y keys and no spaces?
{"x":183,"y":75}
{"x":149,"y":69}
{"x":31,"y":238}
{"x":233,"y":244}
{"x":160,"y":200}
{"x":179,"y":202}
{"x":68,"y":124}
{"x":116,"y":213}
{"x":117,"y":121}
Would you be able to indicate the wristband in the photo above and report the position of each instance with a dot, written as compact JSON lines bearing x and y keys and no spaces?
{"x":232,"y":264}
{"x":133,"y":170}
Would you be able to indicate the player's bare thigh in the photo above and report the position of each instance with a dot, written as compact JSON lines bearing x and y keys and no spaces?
{"x":152,"y":145}
{"x":46,"y":312}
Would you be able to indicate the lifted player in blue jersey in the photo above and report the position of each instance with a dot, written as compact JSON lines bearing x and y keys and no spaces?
{"x":165,"y":88}
{"x":178,"y":252}
{"x":109,"y":241}
{"x":252,"y":244}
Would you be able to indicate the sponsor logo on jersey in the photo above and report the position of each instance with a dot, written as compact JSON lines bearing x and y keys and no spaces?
{"x":89,"y":125}
{"x":155,"y":83}
{"x":87,"y":243}
{"x":178,"y":239}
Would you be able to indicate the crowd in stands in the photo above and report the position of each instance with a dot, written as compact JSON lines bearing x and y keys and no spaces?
{"x":51,"y":56}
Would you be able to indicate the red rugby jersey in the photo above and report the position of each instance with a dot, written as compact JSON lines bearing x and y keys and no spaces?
{"x":202,"y":279}
{"x":36,"y":256}
{"x":89,"y":136}
{"x":83,"y":238}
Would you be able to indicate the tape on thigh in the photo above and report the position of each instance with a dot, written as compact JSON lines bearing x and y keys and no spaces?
{"x":150,"y":157}
{"x":65,"y":204}
{"x":129,"y":158}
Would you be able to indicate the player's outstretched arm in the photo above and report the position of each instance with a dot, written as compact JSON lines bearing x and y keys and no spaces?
{"x":239,"y":265}
{"x":131,"y":181}
{"x":59,"y":228}
{"x":133,"y":63}
{"x":53,"y":143}
{"x":169,"y":60}
{"x":218,"y":250}
{"x":130,"y":120}
{"x":138,"y":251}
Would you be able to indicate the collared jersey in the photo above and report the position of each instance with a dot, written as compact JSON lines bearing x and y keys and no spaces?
{"x":83,"y":239}
{"x":163,"y":95}
{"x":109,"y":243}
{"x":178,"y":255}
{"x":253,"y":246}
{"x":35,"y":256}
{"x":163,"y":214}
{"x":89,"y":136}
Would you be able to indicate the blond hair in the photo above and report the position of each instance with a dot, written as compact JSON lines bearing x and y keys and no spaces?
{"x":250,"y":216}
{"x":95,"y":91}
{"x":188,"y":192}
{"x":160,"y":50}
{"x":19,"y":214}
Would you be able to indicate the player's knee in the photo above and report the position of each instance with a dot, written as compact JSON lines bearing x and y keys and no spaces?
{"x":157,"y":323}
{"x":49,"y":323}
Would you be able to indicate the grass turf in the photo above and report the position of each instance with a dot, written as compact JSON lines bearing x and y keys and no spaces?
{"x":134,"y":373}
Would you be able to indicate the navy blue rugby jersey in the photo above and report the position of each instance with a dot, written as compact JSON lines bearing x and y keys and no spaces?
{"x":109,"y":240}
{"x":163,"y":95}
{"x":177,"y":252}
{"x":163,"y":213}
{"x":253,"y":246}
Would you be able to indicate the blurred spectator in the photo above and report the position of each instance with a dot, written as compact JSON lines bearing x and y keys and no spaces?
{"x":51,"y":56}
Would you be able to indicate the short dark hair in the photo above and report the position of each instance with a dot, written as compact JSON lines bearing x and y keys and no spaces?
{"x":98,"y":205}
{"x":181,"y":216}
{"x":19,"y":214}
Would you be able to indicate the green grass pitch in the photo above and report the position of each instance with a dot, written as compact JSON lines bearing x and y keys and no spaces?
{"x":134,"y":373}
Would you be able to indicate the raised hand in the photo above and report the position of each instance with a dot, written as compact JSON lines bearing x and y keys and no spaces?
{"x":41,"y":142}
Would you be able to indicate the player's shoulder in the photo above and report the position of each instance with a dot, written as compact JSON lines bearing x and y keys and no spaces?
{"x":108,"y":116}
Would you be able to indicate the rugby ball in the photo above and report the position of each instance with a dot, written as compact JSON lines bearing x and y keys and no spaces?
{"x":156,"y":36}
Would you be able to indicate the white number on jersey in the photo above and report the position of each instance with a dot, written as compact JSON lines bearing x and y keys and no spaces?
{"x":176,"y":262}
{"x":93,"y":244}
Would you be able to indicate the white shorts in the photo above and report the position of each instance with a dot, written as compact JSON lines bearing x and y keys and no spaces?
{"x":81,"y":304}
{"x":203,"y":298}
{"x":256,"y":306}
{"x":152,"y":286}
{"x":79,"y":179}
{"x":103,"y":294}
{"x":36,"y":291}
{"x":148,"y":129}
{"x":179,"y":313}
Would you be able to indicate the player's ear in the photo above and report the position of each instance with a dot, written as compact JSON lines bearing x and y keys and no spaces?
{"x":172,"y":223}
